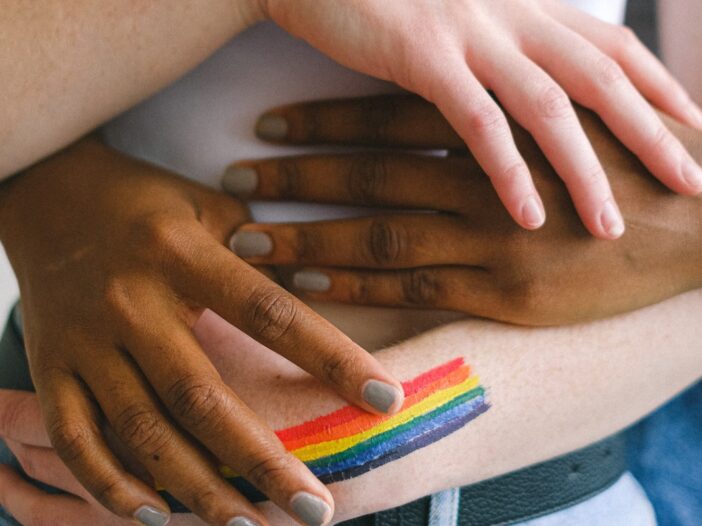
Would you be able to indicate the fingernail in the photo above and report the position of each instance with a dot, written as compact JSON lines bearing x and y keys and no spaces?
{"x":693,"y":175}
{"x":150,"y":516}
{"x":273,"y":127}
{"x":380,"y":395}
{"x":311,"y":281}
{"x":611,"y":220}
{"x":312,"y":510}
{"x":240,"y":180}
{"x":242,"y":521}
{"x":251,"y":244}
{"x":533,"y":213}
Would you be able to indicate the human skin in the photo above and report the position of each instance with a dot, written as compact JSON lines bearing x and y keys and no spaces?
{"x":552,"y":390}
{"x":116,"y":260}
{"x":549,"y":374}
{"x":467,"y":256}
{"x":681,"y":42}
{"x":62,"y":71}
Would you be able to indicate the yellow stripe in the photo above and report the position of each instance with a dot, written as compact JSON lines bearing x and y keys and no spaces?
{"x":323,"y":449}
{"x":331,"y":447}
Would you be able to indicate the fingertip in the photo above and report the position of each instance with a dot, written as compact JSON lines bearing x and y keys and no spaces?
{"x":240,"y":180}
{"x":148,"y":515}
{"x":251,"y":243}
{"x":272,"y":127}
{"x":384,"y":397}
{"x":692,"y":174}
{"x":611,"y":221}
{"x":311,"y":509}
{"x":533,"y":215}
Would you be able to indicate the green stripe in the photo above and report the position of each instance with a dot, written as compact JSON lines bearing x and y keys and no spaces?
{"x":362,"y":446}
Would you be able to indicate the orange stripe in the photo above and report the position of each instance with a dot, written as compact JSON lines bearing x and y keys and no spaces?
{"x":368,"y":420}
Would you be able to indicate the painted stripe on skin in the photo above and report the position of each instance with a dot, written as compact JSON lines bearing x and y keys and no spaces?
{"x":409,"y":433}
{"x":315,"y":451}
{"x":345,"y":414}
{"x":368,"y":420}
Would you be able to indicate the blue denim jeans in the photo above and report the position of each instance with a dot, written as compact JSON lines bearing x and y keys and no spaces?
{"x":665,"y":455}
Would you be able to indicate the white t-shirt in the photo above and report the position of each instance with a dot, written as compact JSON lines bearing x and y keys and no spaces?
{"x":205,"y":121}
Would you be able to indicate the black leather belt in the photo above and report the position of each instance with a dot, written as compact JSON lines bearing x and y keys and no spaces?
{"x":521,"y":495}
{"x":530,"y":492}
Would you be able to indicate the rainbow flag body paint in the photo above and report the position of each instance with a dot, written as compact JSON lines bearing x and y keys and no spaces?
{"x":350,"y":442}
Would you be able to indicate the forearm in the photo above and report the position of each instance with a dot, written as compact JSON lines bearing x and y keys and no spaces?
{"x":69,"y":65}
{"x":551,"y":391}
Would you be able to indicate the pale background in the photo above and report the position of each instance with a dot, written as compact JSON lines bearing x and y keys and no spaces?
{"x":640,"y":15}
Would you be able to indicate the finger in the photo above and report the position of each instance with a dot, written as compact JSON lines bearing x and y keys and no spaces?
{"x":278,"y":320}
{"x":542,"y":107}
{"x":647,"y":73}
{"x":194,"y":394}
{"x":598,"y":82}
{"x":21,"y":418}
{"x":464,"y":289}
{"x":44,"y":465}
{"x":33,"y":507}
{"x":392,"y":241}
{"x":480,"y":122}
{"x":172,"y":459}
{"x":370,"y":179}
{"x":385,"y":120}
{"x":72,"y":425}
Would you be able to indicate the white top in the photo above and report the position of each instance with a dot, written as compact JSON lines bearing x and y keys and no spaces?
{"x":205,"y":121}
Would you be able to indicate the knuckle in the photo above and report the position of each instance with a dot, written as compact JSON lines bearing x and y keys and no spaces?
{"x":271,"y":314}
{"x":593,"y":177}
{"x":161,"y":238}
{"x":309,"y":245}
{"x":71,"y":440}
{"x":119,"y":297}
{"x":360,"y":291}
{"x":378,"y":115}
{"x":289,"y":179}
{"x":367,"y":178}
{"x":199,"y":402}
{"x":527,"y":296}
{"x":337,"y":366}
{"x":608,"y":72}
{"x":142,"y":430}
{"x":206,"y":500}
{"x":420,"y":287}
{"x":552,"y":102}
{"x":109,"y":492}
{"x":270,"y":469}
{"x":660,"y":141}
{"x":627,"y":41}
{"x":486,"y":119}
{"x":513,"y":176}
{"x":386,"y":243}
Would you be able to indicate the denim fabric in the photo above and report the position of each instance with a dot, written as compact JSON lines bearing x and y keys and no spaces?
{"x":666,"y":457}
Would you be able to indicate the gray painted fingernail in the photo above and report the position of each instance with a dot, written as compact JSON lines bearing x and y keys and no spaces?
{"x":242,"y":521}
{"x":311,"y":281}
{"x":273,"y":127}
{"x":240,"y":180}
{"x":251,"y":244}
{"x":150,"y":516}
{"x":312,"y":510}
{"x":380,"y":395}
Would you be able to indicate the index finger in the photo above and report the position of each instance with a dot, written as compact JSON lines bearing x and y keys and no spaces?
{"x":278,"y":320}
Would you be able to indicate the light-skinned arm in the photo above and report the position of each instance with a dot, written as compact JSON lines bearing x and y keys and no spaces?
{"x":552,"y":391}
